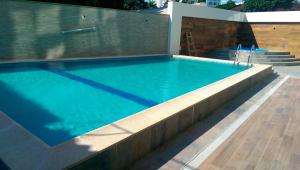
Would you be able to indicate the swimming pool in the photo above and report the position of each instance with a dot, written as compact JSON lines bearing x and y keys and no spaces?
{"x":59,"y":100}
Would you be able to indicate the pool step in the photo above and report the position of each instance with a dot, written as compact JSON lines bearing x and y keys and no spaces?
{"x":291,"y":63}
{"x":275,"y":59}
{"x":273,"y":56}
{"x":281,"y":59}
{"x":276,"y":53}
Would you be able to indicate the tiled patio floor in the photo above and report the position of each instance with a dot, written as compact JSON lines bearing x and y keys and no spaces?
{"x":270,"y":139}
{"x":293,"y":71}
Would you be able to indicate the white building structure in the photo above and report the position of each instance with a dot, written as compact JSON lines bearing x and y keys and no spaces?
{"x":209,"y":3}
{"x":160,"y":3}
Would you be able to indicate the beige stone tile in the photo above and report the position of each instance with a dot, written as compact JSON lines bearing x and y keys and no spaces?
{"x":138,"y":121}
{"x":102,"y":138}
{"x":17,"y":144}
{"x":68,"y":153}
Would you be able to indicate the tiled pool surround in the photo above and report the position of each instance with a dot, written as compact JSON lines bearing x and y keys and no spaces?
{"x":119,"y":144}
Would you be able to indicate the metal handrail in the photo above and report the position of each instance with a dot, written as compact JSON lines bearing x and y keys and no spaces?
{"x":237,"y":55}
{"x":252,"y":53}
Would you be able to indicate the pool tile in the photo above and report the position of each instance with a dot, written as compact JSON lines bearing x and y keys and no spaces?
{"x":202,"y":108}
{"x":124,"y":154}
{"x":185,"y":118}
{"x":103,"y":160}
{"x":137,"y":122}
{"x":157,"y":135}
{"x":141,"y":144}
{"x":105,"y":136}
{"x":171,"y":127}
{"x":17,"y":142}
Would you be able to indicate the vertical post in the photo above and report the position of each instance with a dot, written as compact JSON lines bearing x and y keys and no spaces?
{"x":174,"y":28}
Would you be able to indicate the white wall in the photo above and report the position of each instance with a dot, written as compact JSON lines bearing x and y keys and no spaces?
{"x":178,"y":10}
{"x":285,"y":16}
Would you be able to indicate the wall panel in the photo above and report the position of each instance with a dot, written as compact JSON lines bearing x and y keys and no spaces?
{"x":33,"y":30}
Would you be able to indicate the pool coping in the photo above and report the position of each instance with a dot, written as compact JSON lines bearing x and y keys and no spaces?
{"x":83,"y":147}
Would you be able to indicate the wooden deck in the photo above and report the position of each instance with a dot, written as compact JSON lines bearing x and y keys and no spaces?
{"x":270,"y":139}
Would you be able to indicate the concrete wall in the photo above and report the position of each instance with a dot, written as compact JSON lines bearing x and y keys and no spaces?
{"x":31,"y":30}
{"x":272,"y":36}
{"x":209,"y":34}
{"x":273,"y":30}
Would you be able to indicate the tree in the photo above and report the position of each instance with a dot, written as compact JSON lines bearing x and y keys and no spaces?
{"x":265,"y":5}
{"x":229,"y":5}
{"x":116,"y":4}
{"x":135,"y":4}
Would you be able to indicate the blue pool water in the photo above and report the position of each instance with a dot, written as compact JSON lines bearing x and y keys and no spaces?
{"x":257,"y":49}
{"x":57,"y":101}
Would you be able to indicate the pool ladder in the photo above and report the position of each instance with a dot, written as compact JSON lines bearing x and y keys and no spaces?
{"x":252,"y":53}
{"x":250,"y":56}
{"x":237,"y":55}
{"x":191,"y":44}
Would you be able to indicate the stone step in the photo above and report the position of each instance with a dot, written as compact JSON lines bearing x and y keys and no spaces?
{"x":275,"y":53}
{"x":225,"y":50}
{"x":295,"y":63}
{"x":274,"y":56}
{"x":275,"y":59}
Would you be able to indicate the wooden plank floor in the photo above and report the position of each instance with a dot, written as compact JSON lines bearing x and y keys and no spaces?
{"x":270,"y":139}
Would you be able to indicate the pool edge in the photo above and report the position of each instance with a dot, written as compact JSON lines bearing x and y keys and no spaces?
{"x":152,"y":127}
{"x":128,"y":139}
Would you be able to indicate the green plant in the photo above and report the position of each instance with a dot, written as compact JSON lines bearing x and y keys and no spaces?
{"x":265,"y":5}
{"x":135,"y":4}
{"x":116,"y":4}
{"x":229,"y":5}
{"x":152,"y":4}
